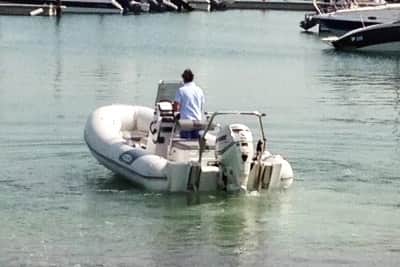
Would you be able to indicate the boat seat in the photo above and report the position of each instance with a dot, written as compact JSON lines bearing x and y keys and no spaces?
{"x":191,"y":144}
{"x":135,"y":136}
{"x":190,"y":125}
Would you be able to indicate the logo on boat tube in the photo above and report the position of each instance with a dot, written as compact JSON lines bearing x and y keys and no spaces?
{"x":129,"y":157}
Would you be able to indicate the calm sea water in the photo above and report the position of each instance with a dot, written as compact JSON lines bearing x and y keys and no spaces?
{"x":335,"y":116}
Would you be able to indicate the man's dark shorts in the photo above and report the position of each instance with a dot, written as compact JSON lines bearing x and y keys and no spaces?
{"x":190,"y":134}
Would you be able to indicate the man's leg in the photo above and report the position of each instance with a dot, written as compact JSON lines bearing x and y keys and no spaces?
{"x":190,"y":134}
{"x":195,"y":134}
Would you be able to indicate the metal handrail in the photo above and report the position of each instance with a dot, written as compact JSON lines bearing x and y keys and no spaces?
{"x":316,"y":6}
{"x":258,"y":114}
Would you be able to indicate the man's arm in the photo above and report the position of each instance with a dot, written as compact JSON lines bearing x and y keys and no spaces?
{"x":203,"y":105}
{"x":176,"y":107}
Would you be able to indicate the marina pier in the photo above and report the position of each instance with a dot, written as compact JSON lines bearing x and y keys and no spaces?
{"x":117,"y":7}
{"x":274,"y":5}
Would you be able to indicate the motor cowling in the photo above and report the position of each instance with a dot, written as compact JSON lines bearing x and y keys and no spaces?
{"x":234,"y":151}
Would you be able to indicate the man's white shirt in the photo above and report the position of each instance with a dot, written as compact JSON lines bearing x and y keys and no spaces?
{"x":191,"y":100}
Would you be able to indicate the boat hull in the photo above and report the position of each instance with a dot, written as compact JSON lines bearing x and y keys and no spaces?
{"x":383,"y":37}
{"x":104,"y":140}
{"x":77,"y":6}
{"x":345,"y":20}
{"x":339,"y":26}
{"x":153,"y":182}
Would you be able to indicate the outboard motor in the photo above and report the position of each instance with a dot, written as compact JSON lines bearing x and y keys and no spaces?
{"x":234,"y":148}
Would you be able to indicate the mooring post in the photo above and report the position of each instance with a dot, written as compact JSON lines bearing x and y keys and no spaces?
{"x":58,"y":8}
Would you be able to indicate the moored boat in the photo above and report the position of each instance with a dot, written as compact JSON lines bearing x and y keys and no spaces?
{"x":352,"y":17}
{"x":381,"y":37}
{"x":78,"y":6}
{"x":82,"y":6}
{"x":29,"y":9}
{"x":143,"y":145}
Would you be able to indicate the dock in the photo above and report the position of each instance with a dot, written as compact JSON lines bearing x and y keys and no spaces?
{"x":16,"y":9}
{"x":200,"y":5}
{"x":273,"y":5}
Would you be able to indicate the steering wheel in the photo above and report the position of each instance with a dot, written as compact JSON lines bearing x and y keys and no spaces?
{"x":153,"y":129}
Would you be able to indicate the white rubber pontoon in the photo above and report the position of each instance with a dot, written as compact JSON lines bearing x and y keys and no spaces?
{"x":143,"y":145}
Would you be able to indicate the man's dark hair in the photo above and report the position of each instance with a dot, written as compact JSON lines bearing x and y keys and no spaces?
{"x":187,"y":76}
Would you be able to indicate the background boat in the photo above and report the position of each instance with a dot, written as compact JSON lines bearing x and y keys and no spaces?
{"x":381,"y":37}
{"x":76,"y":6}
{"x":26,"y":7}
{"x":352,"y":17}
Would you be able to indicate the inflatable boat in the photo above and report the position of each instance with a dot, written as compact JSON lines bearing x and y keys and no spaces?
{"x":143,"y":145}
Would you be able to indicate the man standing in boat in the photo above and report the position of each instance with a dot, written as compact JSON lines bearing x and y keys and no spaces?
{"x":189,"y":101}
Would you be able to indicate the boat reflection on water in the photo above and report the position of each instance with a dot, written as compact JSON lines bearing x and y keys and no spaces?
{"x":242,"y":228}
{"x":190,"y":226}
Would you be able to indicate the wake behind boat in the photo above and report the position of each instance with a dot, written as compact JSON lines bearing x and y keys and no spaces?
{"x":143,"y":145}
{"x":381,"y":37}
